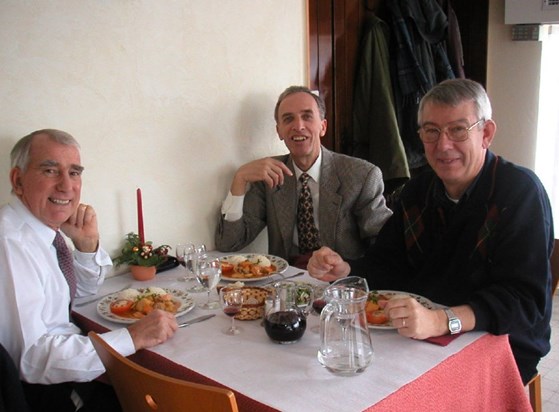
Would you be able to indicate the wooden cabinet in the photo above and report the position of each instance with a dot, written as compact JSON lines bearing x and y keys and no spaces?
{"x":335,"y":28}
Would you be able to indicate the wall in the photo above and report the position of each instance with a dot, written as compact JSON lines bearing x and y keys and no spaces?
{"x":513,"y":81}
{"x":168,"y":96}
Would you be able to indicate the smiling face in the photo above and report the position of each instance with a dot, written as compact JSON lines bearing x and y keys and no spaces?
{"x":50,"y":186}
{"x":299,"y":125}
{"x":457,"y":163}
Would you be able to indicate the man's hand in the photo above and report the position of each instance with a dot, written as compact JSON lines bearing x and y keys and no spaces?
{"x":414,"y":320}
{"x":327,"y":265}
{"x":268,"y":170}
{"x":154,"y":329}
{"x":81,"y":227}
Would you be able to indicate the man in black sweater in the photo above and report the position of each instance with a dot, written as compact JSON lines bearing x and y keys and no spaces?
{"x":475,"y":234}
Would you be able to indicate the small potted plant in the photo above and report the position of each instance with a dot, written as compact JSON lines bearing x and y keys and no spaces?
{"x":142,"y":258}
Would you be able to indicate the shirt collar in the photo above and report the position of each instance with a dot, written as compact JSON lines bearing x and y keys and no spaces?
{"x":313,"y":172}
{"x":45,"y":233}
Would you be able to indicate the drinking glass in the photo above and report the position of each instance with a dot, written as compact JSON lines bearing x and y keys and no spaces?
{"x":182,"y":253}
{"x":208,"y":273}
{"x":318,"y":304}
{"x":231,"y":302}
{"x":195,"y":255}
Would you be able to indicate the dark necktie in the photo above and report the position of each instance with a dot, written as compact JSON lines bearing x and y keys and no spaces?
{"x":308,"y":233}
{"x":65,"y":262}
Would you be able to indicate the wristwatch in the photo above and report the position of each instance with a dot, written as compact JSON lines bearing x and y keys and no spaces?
{"x":454,"y":324}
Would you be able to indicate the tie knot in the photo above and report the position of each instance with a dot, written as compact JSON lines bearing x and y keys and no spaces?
{"x":304,"y":178}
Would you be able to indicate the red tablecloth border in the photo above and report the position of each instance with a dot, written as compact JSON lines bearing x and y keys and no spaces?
{"x":481,"y":377}
{"x":156,"y":362}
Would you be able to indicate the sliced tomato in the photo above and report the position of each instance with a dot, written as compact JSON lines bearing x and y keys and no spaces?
{"x":120,"y":306}
{"x":378,"y":317}
{"x":226,"y":267}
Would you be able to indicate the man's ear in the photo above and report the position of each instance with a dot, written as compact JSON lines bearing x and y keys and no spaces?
{"x":324,"y":126}
{"x":277,"y":131}
{"x":15,"y":180}
{"x":489,"y":130}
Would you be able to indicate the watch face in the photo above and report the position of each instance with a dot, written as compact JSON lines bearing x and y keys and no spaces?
{"x":455,"y":325}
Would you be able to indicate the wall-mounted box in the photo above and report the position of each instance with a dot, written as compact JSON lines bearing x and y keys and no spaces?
{"x":531,"y":11}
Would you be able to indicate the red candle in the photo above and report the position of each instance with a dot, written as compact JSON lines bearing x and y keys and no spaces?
{"x":140,"y":216}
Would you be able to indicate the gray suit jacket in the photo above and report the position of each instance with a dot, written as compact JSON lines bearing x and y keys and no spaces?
{"x":351,"y":211}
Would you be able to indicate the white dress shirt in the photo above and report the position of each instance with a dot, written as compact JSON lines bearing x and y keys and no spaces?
{"x":232,"y":207}
{"x":36,"y":328}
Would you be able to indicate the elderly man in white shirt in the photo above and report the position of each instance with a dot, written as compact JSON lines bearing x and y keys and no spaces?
{"x":49,"y":350}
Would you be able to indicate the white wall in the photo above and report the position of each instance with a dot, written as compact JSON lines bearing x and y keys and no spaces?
{"x":169,"y":96}
{"x":513,"y":82}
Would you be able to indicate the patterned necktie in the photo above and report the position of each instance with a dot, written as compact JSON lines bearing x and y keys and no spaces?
{"x":308,"y":233}
{"x":65,"y":262}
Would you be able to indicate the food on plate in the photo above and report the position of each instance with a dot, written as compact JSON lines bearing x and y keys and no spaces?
{"x":135,"y":304}
{"x":375,"y":314}
{"x":121,"y":306}
{"x":377,"y":317}
{"x":243,"y":267}
{"x":260,"y":260}
{"x":128,"y":294}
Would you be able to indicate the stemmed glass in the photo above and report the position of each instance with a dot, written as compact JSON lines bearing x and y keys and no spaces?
{"x":231,"y":302}
{"x":182,"y":253}
{"x":318,"y":304}
{"x":192,"y":259}
{"x":208,"y":273}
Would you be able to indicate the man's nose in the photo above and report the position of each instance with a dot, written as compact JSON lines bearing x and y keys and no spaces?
{"x":64,"y":182}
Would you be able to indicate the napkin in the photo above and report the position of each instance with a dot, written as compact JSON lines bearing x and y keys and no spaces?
{"x":442,"y":340}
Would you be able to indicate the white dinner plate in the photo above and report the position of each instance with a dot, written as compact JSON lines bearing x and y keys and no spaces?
{"x":280,"y":264}
{"x":390,"y":293}
{"x":104,"y":305}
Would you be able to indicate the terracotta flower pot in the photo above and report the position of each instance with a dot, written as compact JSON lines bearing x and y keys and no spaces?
{"x":143,"y":272}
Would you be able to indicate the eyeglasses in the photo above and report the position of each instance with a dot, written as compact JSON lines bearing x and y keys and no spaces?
{"x":456,"y":133}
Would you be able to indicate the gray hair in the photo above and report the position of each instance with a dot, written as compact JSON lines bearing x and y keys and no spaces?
{"x":301,"y":89}
{"x":19,"y":155}
{"x":455,"y":91}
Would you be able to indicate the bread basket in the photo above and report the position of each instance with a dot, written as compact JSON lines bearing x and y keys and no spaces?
{"x":253,"y":303}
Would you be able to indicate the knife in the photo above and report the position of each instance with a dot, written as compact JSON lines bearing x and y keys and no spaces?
{"x":101,"y":297}
{"x":196,"y":320}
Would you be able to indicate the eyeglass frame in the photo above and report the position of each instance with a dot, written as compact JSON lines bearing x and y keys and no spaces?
{"x":445,"y":129}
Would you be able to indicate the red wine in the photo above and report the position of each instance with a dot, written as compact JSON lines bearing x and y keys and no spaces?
{"x":285,"y":326}
{"x":318,"y":305}
{"x":231,"y":310}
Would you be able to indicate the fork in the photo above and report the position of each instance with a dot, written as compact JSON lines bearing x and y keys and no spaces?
{"x":283,"y":277}
{"x":101,"y":297}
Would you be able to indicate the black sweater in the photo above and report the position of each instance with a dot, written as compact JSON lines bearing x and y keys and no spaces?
{"x":490,"y":251}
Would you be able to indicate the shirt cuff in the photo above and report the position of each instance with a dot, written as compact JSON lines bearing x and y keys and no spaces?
{"x":232,"y":207}
{"x":120,"y":340}
{"x":93,"y":260}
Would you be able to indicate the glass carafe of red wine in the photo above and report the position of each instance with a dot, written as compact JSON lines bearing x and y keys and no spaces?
{"x":285,"y":322}
{"x":345,"y":343}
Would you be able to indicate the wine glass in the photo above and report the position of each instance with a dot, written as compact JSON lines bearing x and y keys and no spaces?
{"x":182,"y":250}
{"x":318,"y":304}
{"x":191,"y":260}
{"x":231,"y":302}
{"x":208,"y":273}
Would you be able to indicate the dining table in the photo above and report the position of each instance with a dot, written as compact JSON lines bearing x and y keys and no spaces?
{"x":471,"y":371}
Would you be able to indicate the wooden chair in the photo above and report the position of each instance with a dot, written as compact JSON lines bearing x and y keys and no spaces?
{"x":535,"y":384}
{"x":140,"y":389}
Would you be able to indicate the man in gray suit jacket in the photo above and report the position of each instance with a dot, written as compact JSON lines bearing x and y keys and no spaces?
{"x":347,"y":193}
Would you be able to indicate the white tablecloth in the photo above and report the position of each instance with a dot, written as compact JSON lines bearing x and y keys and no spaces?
{"x":286,"y":377}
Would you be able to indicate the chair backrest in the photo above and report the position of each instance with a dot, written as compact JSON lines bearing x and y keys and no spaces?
{"x":12,"y":396}
{"x":140,"y":389}
{"x":555,"y":266}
